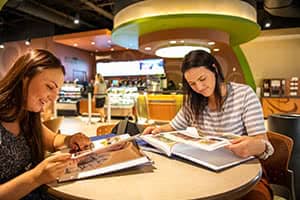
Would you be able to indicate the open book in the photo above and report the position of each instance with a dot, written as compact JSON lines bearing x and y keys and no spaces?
{"x":203,"y":149}
{"x":108,"y":155}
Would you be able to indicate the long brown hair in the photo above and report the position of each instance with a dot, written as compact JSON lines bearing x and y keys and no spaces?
{"x":196,"y":101}
{"x":13,"y":96}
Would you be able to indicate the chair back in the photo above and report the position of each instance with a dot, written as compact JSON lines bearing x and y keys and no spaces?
{"x":276,"y":166}
{"x":54,"y":124}
{"x":105,"y":129}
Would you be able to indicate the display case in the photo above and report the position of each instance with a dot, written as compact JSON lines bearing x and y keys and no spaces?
{"x":122,"y":96}
{"x":122,"y":101}
{"x":69,"y":96}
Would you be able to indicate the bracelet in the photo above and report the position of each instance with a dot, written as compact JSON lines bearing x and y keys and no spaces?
{"x":269,"y":150}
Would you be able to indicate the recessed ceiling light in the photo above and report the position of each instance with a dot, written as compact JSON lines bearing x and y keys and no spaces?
{"x":76,"y":19}
{"x":148,"y":48}
{"x":267,"y":25}
{"x":193,"y":39}
{"x":178,"y":51}
{"x":172,"y":42}
{"x":93,"y":43}
{"x":75,"y":44}
{"x":112,"y":49}
{"x":216,"y":49}
{"x":211,"y":43}
{"x":28,"y":41}
{"x":2,"y":46}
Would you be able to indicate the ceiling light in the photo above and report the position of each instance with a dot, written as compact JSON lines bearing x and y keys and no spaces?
{"x":93,"y":43}
{"x":28,"y":41}
{"x":135,"y":24}
{"x":75,"y":44}
{"x":216,"y":49}
{"x":2,"y":46}
{"x":268,"y":24}
{"x":211,"y":43}
{"x":76,"y":19}
{"x":178,"y":51}
{"x":163,"y":43}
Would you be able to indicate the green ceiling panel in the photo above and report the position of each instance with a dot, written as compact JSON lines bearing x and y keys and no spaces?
{"x":240,"y":30}
{"x":2,"y":2}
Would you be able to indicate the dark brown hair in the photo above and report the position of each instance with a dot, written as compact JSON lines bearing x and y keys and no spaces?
{"x":13,"y":96}
{"x":196,"y":101}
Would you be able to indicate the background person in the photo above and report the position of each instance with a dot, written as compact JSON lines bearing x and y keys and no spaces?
{"x":31,"y":83}
{"x":100,"y":95}
{"x":213,"y":106}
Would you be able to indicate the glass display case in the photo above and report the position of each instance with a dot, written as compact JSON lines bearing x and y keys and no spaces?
{"x":122,"y":101}
{"x":69,"y":96}
{"x":122,"y":96}
{"x":70,"y":93}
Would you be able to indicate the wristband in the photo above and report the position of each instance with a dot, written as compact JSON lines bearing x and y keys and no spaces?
{"x":269,"y":150}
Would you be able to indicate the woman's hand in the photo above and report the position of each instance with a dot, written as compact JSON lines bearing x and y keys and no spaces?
{"x":51,"y":168}
{"x":152,"y":130}
{"x":157,"y":129}
{"x":78,"y":142}
{"x":247,"y":146}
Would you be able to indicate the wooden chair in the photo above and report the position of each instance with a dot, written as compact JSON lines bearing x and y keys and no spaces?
{"x":105,"y":129}
{"x":281,"y":178}
{"x":54,"y":124}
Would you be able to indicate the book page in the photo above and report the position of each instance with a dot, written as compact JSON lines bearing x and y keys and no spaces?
{"x":160,"y":141}
{"x":208,"y":143}
{"x":115,"y":157}
{"x":103,"y":145}
{"x":216,"y":160}
{"x":145,"y":146}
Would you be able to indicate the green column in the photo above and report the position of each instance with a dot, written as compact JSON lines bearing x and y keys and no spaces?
{"x":245,"y":66}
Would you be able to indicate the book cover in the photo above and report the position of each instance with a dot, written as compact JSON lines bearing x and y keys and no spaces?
{"x":108,"y":155}
{"x":202,"y":149}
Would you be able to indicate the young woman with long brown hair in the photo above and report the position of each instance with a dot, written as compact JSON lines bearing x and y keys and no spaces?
{"x":31,"y":83}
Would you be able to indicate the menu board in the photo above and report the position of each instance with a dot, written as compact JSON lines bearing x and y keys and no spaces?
{"x":131,"y":68}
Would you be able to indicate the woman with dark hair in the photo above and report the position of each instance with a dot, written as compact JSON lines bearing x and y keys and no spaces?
{"x":214,"y":107}
{"x":31,"y":83}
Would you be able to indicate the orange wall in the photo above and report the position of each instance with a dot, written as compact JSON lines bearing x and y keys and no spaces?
{"x":73,"y":59}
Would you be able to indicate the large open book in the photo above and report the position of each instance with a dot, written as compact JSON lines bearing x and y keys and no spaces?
{"x":108,"y":155}
{"x":203,"y":149}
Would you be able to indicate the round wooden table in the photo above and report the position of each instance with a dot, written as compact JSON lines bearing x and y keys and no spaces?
{"x":168,"y":178}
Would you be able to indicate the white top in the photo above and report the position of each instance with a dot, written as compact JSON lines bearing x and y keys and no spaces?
{"x":241,"y":114}
{"x":99,"y":89}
